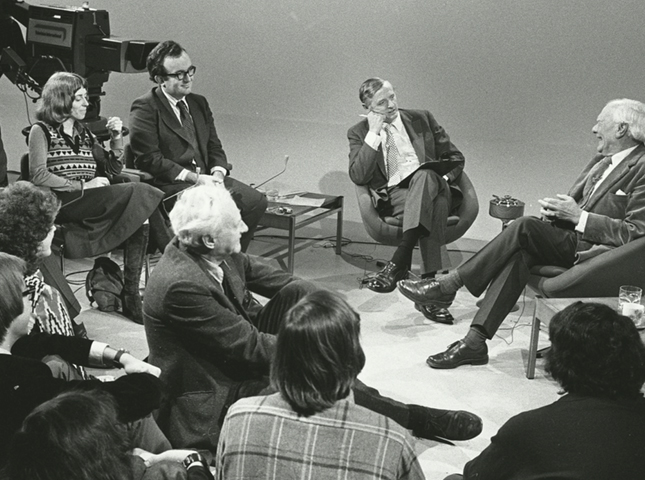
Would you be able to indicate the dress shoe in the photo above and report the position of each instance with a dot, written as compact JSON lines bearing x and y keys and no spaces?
{"x":435,"y":314}
{"x":459,"y":354}
{"x":425,"y":292}
{"x":449,"y":424}
{"x":385,"y":280}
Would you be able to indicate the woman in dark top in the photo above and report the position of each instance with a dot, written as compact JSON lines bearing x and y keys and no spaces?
{"x":26,"y":382}
{"x":65,"y":157}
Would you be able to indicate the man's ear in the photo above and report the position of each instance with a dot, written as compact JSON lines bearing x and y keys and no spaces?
{"x":159,"y":79}
{"x":622,"y":130}
{"x":209,"y":242}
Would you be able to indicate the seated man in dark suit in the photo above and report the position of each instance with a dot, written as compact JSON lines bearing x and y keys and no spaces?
{"x":173,"y":136}
{"x":605,"y":208}
{"x":389,"y":151}
{"x":214,"y":342}
{"x":597,"y":429}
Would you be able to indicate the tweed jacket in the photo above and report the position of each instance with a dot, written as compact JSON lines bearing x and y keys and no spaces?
{"x":203,"y":339}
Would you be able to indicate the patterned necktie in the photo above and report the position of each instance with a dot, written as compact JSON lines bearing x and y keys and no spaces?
{"x":595,"y":174}
{"x":187,"y":122}
{"x":393,"y":155}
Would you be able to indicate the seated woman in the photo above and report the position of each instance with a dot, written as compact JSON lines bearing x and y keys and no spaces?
{"x":78,"y":436}
{"x":597,"y":429}
{"x":66,"y":157}
{"x":312,"y":428}
{"x":27,"y":227}
{"x":26,"y":382}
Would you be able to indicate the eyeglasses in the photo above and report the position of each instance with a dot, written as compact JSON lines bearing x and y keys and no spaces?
{"x":181,"y":75}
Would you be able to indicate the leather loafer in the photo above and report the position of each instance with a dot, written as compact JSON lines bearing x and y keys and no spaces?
{"x":425,"y":292}
{"x":385,"y":280}
{"x":435,"y":314}
{"x":459,"y":354}
{"x":449,"y":424}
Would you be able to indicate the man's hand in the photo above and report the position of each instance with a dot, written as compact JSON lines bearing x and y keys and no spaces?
{"x":200,"y":179}
{"x":375,"y":121}
{"x":218,"y":176}
{"x":562,"y":208}
{"x":134,"y":365}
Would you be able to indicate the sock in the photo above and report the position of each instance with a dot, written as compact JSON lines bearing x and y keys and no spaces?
{"x":450,"y":283}
{"x":476,"y":337}
{"x":403,"y":253}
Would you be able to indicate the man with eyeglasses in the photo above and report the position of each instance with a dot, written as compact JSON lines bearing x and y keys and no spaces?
{"x":173,"y":136}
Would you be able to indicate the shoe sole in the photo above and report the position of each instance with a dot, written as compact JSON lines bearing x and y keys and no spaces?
{"x":424,"y":301}
{"x":442,"y":366}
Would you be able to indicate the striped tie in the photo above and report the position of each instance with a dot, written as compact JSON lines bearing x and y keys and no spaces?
{"x":595,"y":174}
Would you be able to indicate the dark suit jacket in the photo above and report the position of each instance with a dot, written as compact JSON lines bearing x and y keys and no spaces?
{"x":576,"y":437}
{"x":160,"y":143}
{"x":203,"y":340}
{"x":429,"y":139}
{"x":617,"y":207}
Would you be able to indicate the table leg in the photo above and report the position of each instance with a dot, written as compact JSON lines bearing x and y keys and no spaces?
{"x":291,"y":253}
{"x":533,"y":342}
{"x":339,"y":229}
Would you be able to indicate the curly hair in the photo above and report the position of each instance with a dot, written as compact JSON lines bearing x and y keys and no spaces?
{"x":318,"y":353}
{"x":158,"y":55}
{"x":74,"y":436}
{"x":596,"y":352}
{"x":27,"y":215}
{"x":57,"y":97}
{"x":12,"y":270}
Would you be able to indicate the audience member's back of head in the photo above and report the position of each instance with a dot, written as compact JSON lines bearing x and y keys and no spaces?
{"x":75,"y":436}
{"x":27,"y":214}
{"x":596,"y":352}
{"x":318,"y":353}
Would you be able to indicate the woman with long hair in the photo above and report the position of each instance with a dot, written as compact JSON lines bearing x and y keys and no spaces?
{"x":65,"y":156}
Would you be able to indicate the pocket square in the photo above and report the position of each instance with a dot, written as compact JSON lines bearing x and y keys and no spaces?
{"x":621,"y":193}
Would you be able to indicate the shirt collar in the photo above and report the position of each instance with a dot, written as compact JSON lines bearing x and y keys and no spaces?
{"x":616,"y":158}
{"x":214,"y":268}
{"x":397,"y":123}
{"x":173,"y":101}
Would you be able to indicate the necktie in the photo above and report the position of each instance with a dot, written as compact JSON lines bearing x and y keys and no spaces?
{"x":393,"y":155}
{"x":595,"y":174}
{"x":187,"y":122}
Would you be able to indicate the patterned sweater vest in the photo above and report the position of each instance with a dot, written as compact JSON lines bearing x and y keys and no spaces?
{"x":73,"y":163}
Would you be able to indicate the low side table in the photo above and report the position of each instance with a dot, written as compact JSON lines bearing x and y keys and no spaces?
{"x":302,"y":216}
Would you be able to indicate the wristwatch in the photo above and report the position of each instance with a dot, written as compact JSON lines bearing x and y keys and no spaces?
{"x":116,"y":362}
{"x":193,"y":459}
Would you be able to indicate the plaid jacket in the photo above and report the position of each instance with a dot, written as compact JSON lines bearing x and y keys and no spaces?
{"x":263,"y":437}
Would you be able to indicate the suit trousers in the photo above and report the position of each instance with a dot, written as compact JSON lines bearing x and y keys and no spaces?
{"x":504,"y":264}
{"x":251,"y":203}
{"x":425,"y":200}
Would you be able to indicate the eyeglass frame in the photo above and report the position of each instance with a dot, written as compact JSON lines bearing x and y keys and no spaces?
{"x":181,"y":74}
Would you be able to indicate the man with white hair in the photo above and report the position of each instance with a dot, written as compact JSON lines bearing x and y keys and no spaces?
{"x":604,"y":209}
{"x":215,"y":343}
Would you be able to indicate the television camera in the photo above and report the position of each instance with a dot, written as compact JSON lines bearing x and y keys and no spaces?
{"x":73,"y":39}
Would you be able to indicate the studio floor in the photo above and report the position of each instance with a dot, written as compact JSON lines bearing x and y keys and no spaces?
{"x":397,"y":339}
